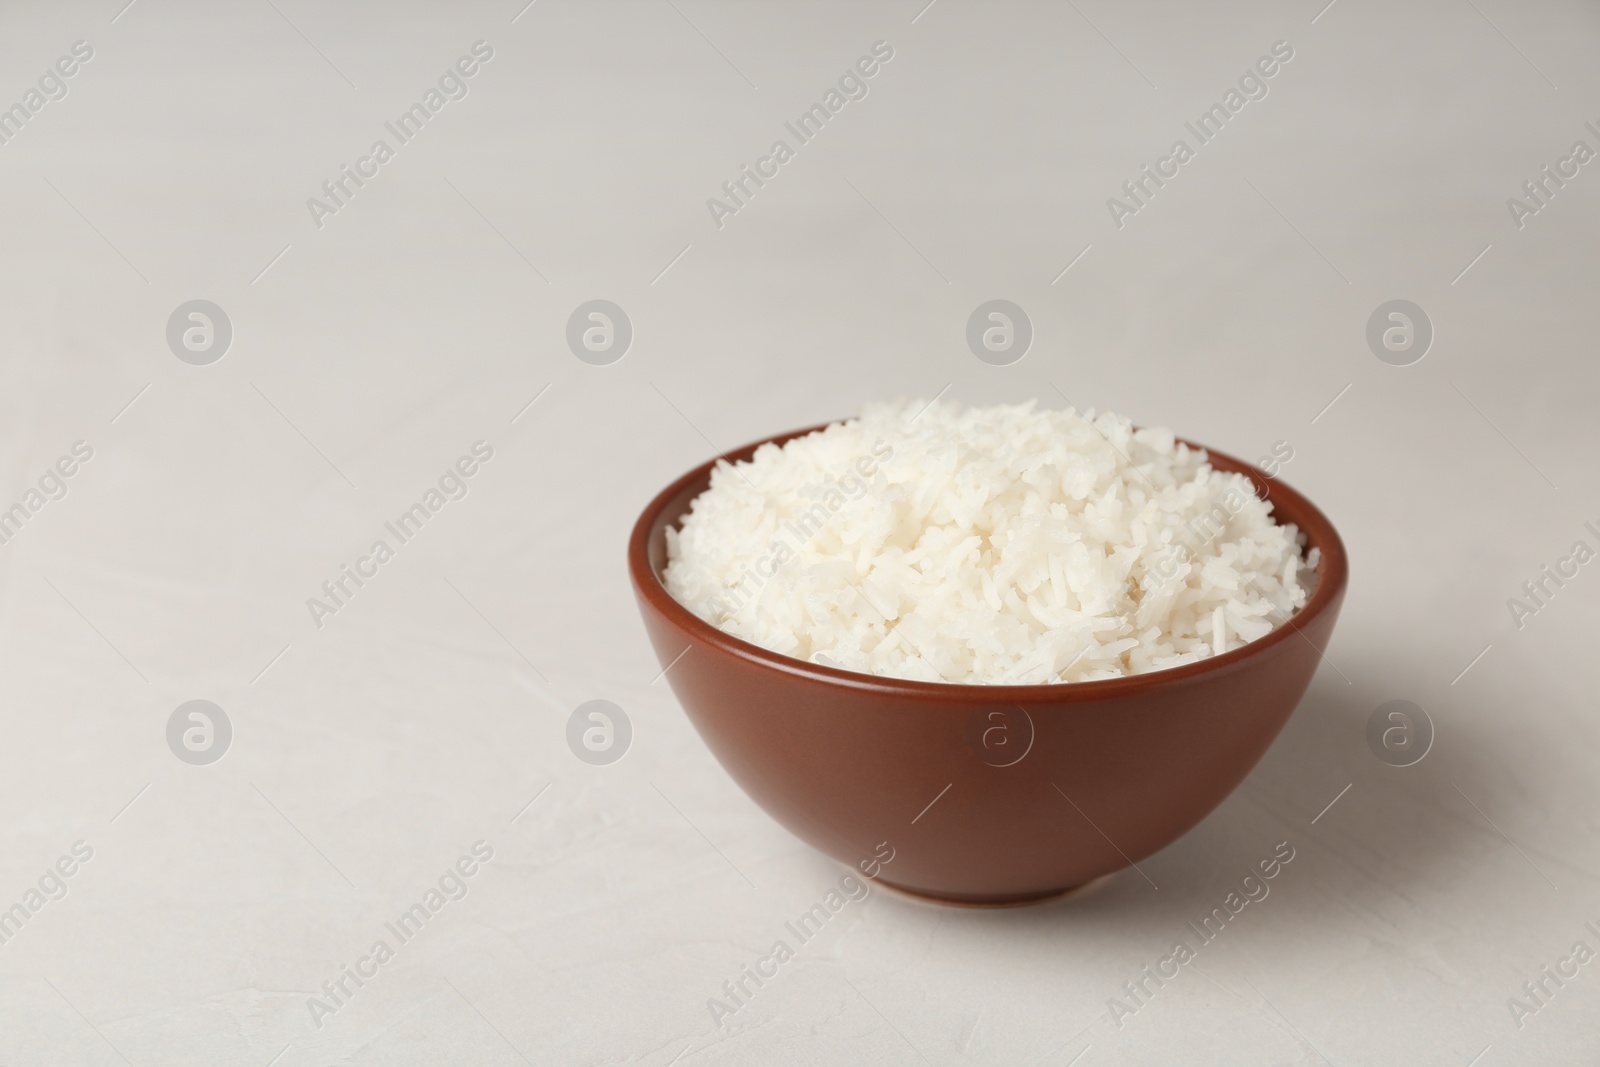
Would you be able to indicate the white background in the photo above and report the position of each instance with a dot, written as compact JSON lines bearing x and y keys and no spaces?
{"x":370,"y":753}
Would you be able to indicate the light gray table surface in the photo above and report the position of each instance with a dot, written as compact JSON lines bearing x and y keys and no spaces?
{"x":375,"y":344}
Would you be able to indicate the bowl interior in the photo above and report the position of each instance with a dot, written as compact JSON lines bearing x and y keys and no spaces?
{"x":648,"y":560}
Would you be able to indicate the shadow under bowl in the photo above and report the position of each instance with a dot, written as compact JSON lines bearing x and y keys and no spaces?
{"x":986,"y":794}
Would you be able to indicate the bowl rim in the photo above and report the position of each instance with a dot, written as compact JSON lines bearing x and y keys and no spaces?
{"x":1332,"y":577}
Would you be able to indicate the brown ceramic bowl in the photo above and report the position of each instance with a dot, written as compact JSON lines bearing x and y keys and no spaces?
{"x":985,"y":794}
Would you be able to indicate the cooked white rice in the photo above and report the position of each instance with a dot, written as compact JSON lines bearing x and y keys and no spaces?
{"x":986,"y":545}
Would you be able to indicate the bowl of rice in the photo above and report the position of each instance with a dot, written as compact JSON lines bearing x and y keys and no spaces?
{"x":1015,"y":649}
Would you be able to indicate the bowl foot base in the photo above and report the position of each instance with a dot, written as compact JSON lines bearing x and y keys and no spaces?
{"x":1069,"y":892}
